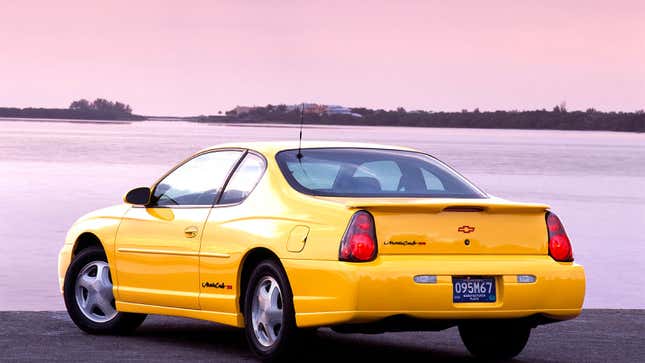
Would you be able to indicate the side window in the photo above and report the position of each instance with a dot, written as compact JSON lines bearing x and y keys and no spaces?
{"x":244,"y":180}
{"x":386,"y":172}
{"x":196,"y":182}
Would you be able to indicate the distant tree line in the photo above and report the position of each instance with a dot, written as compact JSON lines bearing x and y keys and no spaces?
{"x":557,"y":119}
{"x":99,"y":109}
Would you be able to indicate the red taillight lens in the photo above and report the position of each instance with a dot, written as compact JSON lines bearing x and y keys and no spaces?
{"x":559,"y":244}
{"x":359,"y":242}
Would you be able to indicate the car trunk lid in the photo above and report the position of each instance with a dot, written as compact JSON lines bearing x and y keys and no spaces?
{"x":455,"y":226}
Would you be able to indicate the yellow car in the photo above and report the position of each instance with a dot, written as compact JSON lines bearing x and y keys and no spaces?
{"x":274,"y":238}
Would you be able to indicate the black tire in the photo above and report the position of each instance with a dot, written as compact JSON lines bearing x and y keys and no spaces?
{"x":495,"y":339}
{"x":285,"y":343}
{"x":121,"y":323}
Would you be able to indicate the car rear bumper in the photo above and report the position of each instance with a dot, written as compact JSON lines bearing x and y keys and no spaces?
{"x":334,"y":292}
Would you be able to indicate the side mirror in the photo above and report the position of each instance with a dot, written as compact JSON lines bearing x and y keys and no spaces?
{"x":138,"y":196}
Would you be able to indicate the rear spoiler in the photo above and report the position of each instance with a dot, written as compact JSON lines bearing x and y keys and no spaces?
{"x":428,"y":205}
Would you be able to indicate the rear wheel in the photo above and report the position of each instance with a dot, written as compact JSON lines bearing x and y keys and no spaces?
{"x":495,"y":339}
{"x":89,"y":299}
{"x":269,"y":316}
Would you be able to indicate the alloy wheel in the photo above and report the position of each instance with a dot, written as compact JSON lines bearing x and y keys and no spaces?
{"x":266,"y":311}
{"x":93,"y":292}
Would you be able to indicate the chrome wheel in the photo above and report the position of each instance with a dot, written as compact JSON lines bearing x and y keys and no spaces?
{"x":93,"y":292}
{"x":266,"y":311}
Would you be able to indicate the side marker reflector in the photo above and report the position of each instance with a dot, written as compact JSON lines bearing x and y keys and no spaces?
{"x":526,"y":279}
{"x":425,"y":279}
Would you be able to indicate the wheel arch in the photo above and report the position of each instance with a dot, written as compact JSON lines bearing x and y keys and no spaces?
{"x":86,"y":240}
{"x":249,"y":261}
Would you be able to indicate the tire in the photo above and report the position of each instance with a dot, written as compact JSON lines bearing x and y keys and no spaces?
{"x":269,"y":317}
{"x":495,"y":339}
{"x":89,"y":299}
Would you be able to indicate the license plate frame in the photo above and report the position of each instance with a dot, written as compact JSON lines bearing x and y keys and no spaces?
{"x":474,"y":289}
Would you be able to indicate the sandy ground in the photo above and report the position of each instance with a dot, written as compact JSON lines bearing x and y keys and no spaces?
{"x":52,"y":173}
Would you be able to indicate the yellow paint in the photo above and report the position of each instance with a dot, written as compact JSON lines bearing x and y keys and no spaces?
{"x":156,"y":263}
{"x":159,"y":268}
{"x":329,"y":291}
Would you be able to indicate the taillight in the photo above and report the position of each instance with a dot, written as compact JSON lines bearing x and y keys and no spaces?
{"x":359,"y":242}
{"x":559,"y":244}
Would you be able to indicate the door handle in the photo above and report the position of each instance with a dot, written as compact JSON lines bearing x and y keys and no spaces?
{"x":191,"y":231}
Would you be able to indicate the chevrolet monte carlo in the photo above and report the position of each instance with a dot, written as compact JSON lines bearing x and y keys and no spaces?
{"x":279,"y":239}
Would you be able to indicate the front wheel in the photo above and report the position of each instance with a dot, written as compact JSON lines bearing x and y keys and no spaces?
{"x":495,"y":339}
{"x":89,"y":299}
{"x":269,"y":317}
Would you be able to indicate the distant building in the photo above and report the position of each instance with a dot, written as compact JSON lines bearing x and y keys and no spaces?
{"x":241,"y":110}
{"x":337,"y":110}
{"x":309,"y":108}
{"x":340,"y":110}
{"x":314,"y":108}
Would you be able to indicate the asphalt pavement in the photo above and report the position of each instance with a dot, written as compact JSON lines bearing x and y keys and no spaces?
{"x":595,"y":336}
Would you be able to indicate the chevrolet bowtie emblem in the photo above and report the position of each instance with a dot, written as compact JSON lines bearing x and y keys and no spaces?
{"x":466,"y":229}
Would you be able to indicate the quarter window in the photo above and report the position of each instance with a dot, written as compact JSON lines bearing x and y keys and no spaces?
{"x":196,"y":182}
{"x":244,"y":180}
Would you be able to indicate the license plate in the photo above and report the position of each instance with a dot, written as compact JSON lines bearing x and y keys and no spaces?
{"x":473,"y":289}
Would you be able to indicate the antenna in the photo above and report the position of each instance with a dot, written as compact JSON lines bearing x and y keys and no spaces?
{"x":302,"y":115}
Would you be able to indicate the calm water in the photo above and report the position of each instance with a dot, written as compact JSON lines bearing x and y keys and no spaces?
{"x":53,"y":172}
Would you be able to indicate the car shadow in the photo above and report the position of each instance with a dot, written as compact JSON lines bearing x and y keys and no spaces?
{"x":323,"y":345}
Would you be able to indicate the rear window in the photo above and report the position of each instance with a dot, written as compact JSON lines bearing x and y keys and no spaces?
{"x":345,"y":172}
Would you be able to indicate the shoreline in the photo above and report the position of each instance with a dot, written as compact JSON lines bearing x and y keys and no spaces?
{"x":271,"y":124}
{"x":64,"y":120}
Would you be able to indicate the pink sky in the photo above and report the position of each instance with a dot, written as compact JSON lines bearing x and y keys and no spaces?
{"x":200,"y":57}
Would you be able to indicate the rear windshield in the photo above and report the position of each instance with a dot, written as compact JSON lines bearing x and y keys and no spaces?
{"x":353,"y":172}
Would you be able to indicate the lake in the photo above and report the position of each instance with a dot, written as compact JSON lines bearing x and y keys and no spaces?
{"x":53,"y":172}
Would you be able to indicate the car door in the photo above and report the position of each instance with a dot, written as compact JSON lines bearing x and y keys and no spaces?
{"x":228,"y":231}
{"x":157,"y":246}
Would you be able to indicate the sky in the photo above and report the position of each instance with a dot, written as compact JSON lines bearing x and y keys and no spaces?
{"x":200,"y":57}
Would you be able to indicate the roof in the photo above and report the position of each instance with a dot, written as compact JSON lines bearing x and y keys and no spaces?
{"x":273,"y":147}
